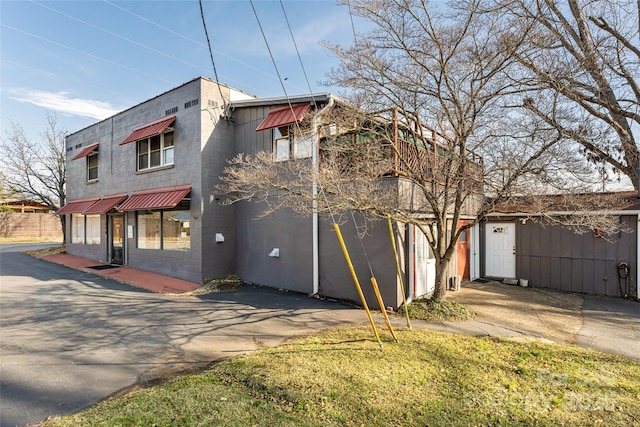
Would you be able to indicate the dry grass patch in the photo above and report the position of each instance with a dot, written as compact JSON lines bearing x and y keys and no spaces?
{"x":437,"y":311}
{"x":341,"y":377}
{"x":228,"y":283}
{"x":51,"y":250}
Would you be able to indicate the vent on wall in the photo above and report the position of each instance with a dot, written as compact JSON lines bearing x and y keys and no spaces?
{"x":191,"y":103}
{"x":213,"y":103}
{"x":171,"y":111}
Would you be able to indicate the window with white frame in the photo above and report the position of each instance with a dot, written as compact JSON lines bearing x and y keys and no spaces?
{"x":85,"y":229}
{"x":281,"y":144}
{"x":155,"y":151}
{"x":92,"y":229}
{"x":92,"y":166}
{"x":77,"y":228}
{"x":292,"y":142}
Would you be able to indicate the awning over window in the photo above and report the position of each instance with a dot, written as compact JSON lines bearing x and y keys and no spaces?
{"x":161,"y":198}
{"x":150,"y":129}
{"x":284,"y":116}
{"x":105,"y":205}
{"x":87,"y":150}
{"x":77,"y":206}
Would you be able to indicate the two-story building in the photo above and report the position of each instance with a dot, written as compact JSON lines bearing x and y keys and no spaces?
{"x":141,"y":193}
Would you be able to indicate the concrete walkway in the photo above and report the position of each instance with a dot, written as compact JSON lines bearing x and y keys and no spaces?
{"x":603,"y":323}
{"x":132,"y":276}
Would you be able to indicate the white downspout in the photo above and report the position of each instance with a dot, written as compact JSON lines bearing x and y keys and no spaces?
{"x":315,"y":149}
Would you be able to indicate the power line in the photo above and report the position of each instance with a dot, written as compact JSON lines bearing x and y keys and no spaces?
{"x":82,"y":82}
{"x":299,"y":57}
{"x":255,"y":13}
{"x":215,"y":72}
{"x":86,"y":53}
{"x":218,"y":52}
{"x":269,"y":49}
{"x":119,"y":36}
{"x":114,"y":34}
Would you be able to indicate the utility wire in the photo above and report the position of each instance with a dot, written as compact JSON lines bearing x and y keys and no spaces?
{"x":299,"y":57}
{"x":215,"y":72}
{"x":114,"y":34}
{"x":275,"y":66}
{"x":86,"y":53}
{"x":65,"y":77}
{"x":119,"y":36}
{"x":197,"y":43}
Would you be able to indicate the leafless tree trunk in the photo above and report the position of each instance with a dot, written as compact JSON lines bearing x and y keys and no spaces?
{"x":36,"y":170}
{"x":580,"y":69}
{"x":442,"y":136}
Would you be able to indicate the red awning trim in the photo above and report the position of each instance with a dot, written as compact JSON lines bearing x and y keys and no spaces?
{"x":87,"y":150}
{"x":283,"y":116}
{"x":150,"y":129}
{"x":77,"y":206}
{"x":105,"y":205}
{"x":160,"y":198}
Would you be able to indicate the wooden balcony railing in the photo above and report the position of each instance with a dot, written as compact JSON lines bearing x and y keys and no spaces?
{"x":416,"y":151}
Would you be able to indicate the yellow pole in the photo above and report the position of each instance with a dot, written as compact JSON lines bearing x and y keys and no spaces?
{"x":355,"y":280}
{"x":374,"y":282}
{"x":395,"y":253}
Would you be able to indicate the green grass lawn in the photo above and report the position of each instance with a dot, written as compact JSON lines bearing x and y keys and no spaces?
{"x":341,"y":377}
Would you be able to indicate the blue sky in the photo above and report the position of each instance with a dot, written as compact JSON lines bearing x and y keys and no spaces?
{"x":86,"y":60}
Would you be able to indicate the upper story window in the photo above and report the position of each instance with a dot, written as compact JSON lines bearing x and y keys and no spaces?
{"x":281,"y":144}
{"x":155,"y":151}
{"x":292,"y":142}
{"x":91,"y":154}
{"x":92,"y":166}
{"x":292,"y":132}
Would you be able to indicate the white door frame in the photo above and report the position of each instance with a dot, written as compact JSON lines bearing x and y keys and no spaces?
{"x":474,"y":273}
{"x":500,"y":261}
{"x":427,"y":264}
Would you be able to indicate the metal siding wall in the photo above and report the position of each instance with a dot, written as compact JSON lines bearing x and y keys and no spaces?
{"x":556,"y":257}
{"x":282,"y":229}
{"x":335,"y":277}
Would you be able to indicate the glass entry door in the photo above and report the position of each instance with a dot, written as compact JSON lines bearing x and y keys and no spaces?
{"x":116,"y":241}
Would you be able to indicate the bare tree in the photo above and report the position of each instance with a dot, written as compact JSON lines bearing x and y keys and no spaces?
{"x":440,"y":138}
{"x":580,"y":67}
{"x":36,"y":170}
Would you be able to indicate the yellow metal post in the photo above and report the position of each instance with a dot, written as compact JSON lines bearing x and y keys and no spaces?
{"x":356,"y":281}
{"x":374,"y":282}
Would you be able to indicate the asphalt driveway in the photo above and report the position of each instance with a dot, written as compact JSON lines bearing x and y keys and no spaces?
{"x":70,"y":338}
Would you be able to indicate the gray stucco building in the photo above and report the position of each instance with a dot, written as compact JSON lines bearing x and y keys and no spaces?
{"x":141,"y":192}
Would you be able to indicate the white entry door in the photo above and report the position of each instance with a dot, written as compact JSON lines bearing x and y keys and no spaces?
{"x":425,"y":265}
{"x":501,"y":249}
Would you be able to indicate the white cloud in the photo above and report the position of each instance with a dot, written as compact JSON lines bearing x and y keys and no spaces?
{"x":65,"y":103}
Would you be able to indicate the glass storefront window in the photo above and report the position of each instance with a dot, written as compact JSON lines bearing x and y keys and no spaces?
{"x":149,"y":230}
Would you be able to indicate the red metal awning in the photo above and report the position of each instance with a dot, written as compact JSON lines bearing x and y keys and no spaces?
{"x":284,"y":116}
{"x":161,"y":198}
{"x":105,"y":205}
{"x":150,"y":129}
{"x":77,"y":206}
{"x":86,"y":151}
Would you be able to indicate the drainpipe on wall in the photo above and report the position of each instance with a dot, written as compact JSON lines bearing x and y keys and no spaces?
{"x":314,"y":219}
